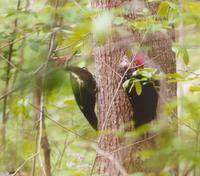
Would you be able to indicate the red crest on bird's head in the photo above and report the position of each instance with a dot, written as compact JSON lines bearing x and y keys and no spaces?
{"x":139,"y":60}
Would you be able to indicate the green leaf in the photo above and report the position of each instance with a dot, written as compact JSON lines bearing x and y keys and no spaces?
{"x":195,"y":88}
{"x":138,"y":88}
{"x":163,"y":9}
{"x":185,"y":56}
{"x":132,"y":85}
{"x":119,"y":21}
{"x":79,"y":34}
{"x":126,"y":83}
{"x":129,"y":53}
{"x":138,"y":174}
{"x":173,"y":75}
{"x":183,"y":51}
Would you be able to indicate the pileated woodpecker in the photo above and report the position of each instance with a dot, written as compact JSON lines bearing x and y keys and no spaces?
{"x":145,"y":100}
{"x":84,"y":90}
{"x":83,"y":86}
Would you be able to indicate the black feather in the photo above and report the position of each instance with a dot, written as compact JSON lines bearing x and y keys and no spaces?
{"x":145,"y":104}
{"x":84,"y":90}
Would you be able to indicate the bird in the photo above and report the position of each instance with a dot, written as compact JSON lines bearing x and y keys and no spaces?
{"x":84,"y":89}
{"x":144,"y":103}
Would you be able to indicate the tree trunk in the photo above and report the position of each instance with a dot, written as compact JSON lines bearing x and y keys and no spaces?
{"x":114,"y":109}
{"x":117,"y":155}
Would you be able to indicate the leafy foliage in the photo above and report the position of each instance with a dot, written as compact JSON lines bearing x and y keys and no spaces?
{"x":145,"y":75}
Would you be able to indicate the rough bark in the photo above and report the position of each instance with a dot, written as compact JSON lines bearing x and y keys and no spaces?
{"x":114,"y":109}
{"x":161,"y":49}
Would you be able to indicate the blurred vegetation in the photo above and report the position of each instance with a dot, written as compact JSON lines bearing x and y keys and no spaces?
{"x":25,"y":33}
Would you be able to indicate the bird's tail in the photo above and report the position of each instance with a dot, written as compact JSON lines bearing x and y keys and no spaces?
{"x":93,"y":120}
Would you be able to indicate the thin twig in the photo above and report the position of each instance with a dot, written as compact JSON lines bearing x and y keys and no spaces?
{"x":136,"y":143}
{"x":59,"y":161}
{"x":10,"y":53}
{"x":28,"y":77}
{"x":111,"y":158}
{"x":187,"y":172}
{"x":68,"y":46}
{"x":9,"y":62}
{"x":41,"y":112}
{"x":22,"y":165}
{"x":15,"y":41}
{"x":78,"y":5}
{"x":64,"y":128}
{"x":34,"y":159}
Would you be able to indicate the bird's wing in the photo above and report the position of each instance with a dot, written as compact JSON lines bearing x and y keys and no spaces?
{"x":85,"y":99}
{"x":76,"y":90}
